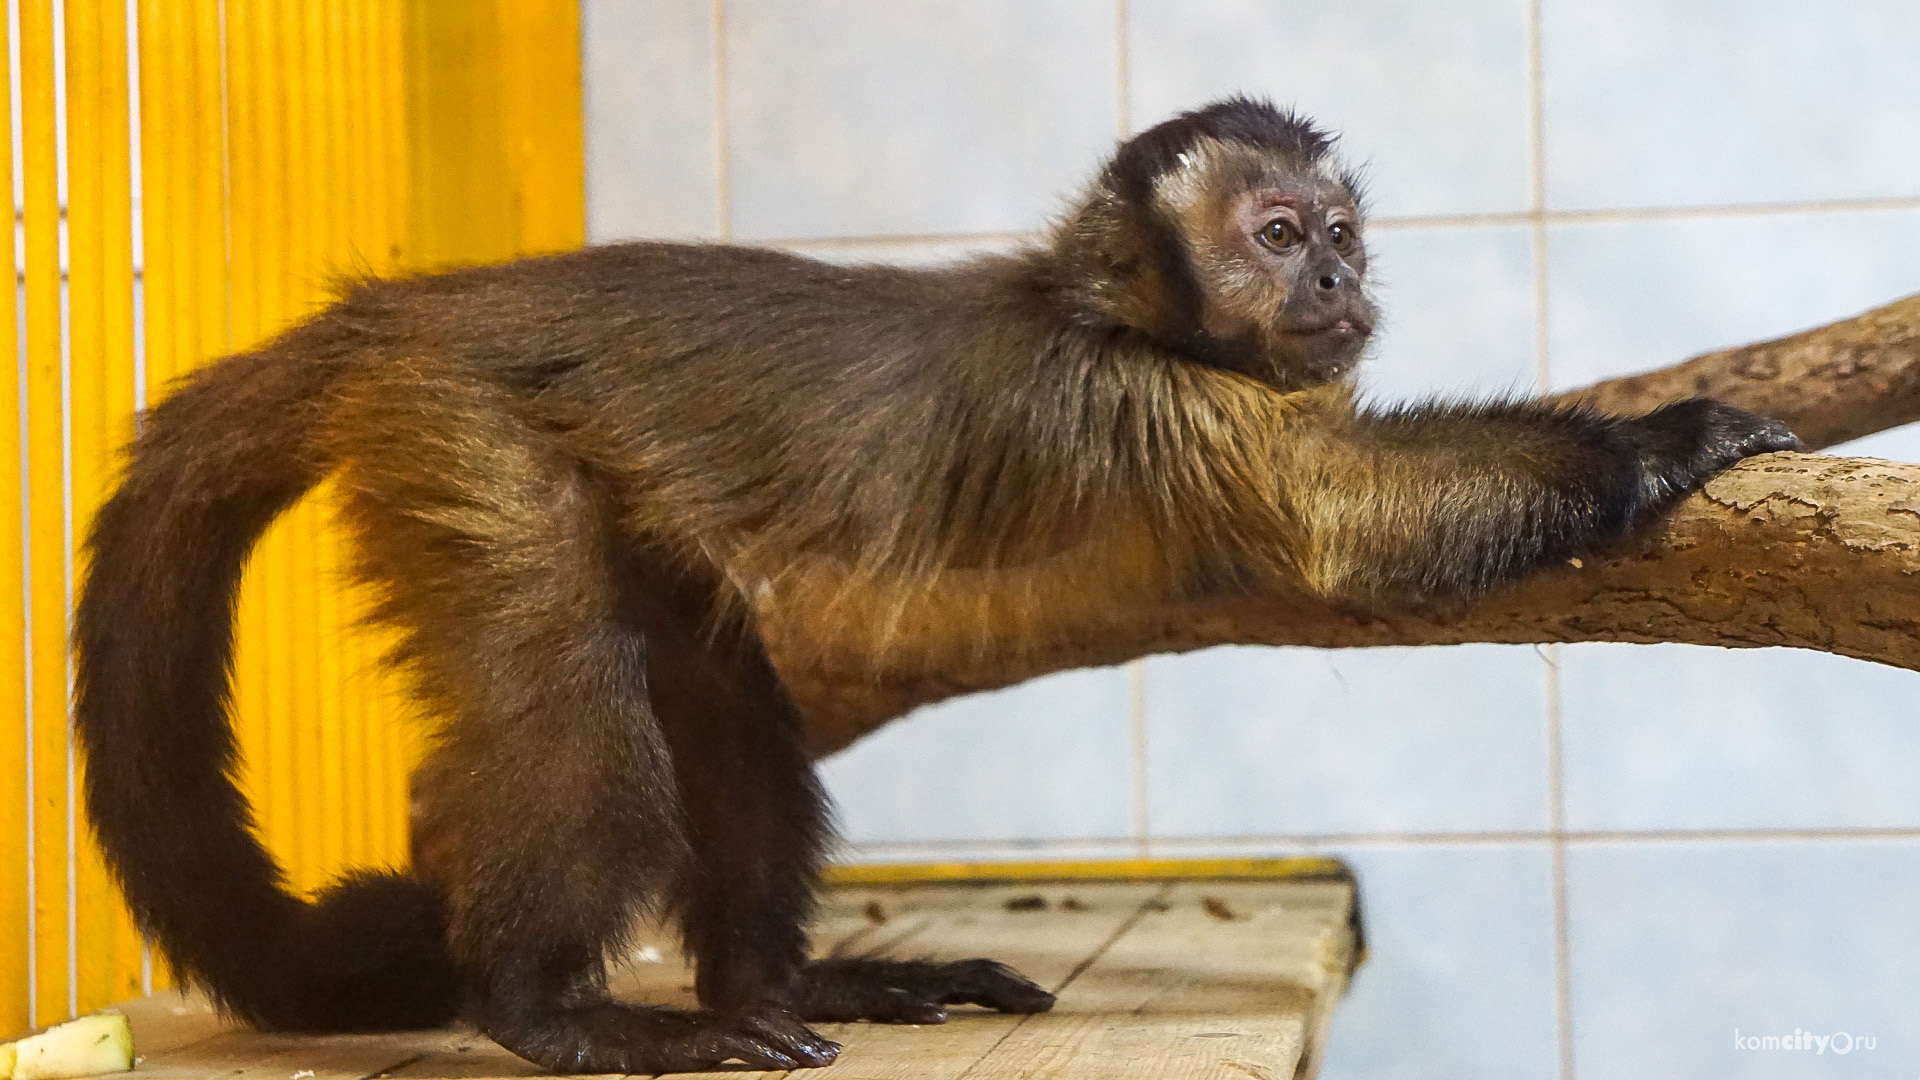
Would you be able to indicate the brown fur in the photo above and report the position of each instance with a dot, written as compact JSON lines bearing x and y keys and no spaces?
{"x":571,"y":478}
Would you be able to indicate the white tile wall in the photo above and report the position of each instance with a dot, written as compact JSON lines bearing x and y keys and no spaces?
{"x":1629,"y":295}
{"x":1245,"y":742}
{"x":653,"y":153}
{"x":1675,"y":946}
{"x":873,"y":117}
{"x":1432,"y":96}
{"x":1467,"y":332}
{"x":1049,"y":759}
{"x":1460,"y":978}
{"x":1702,"y":103}
{"x":1664,"y":738}
{"x":1563,"y":191}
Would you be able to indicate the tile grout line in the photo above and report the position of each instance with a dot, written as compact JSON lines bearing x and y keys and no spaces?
{"x":1557,"y":850}
{"x":1494,"y":219}
{"x":722,"y":132}
{"x":1136,"y":669}
{"x":1614,"y":215}
{"x":830,"y":243}
{"x":1142,"y":809}
{"x":1536,"y":216}
{"x":1550,"y":654}
{"x":1123,"y":70}
{"x":1210,"y":847}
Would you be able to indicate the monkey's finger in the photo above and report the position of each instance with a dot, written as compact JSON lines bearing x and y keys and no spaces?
{"x":755,"y":1052}
{"x":1768,"y":436}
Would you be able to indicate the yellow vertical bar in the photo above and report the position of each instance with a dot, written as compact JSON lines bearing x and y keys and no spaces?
{"x":393,"y":181}
{"x":406,"y":162}
{"x":254,"y":259}
{"x":335,"y":673}
{"x":288,"y":34}
{"x":314,"y":137}
{"x":365,"y":138}
{"x":243,"y":314}
{"x":101,"y":387}
{"x":46,"y":499}
{"x":462,"y":191}
{"x":313,"y":201}
{"x":543,"y":125}
{"x":183,"y":146}
{"x":278,"y":257}
{"x":337,"y":731}
{"x":183,"y":170}
{"x":85,"y":373}
{"x":278,"y":225}
{"x":16,"y":846}
{"x":117,"y":331}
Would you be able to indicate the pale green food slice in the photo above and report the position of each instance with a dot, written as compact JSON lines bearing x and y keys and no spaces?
{"x":89,"y":1046}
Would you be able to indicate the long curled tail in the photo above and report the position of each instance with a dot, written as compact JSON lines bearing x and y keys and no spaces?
{"x":214,"y":465}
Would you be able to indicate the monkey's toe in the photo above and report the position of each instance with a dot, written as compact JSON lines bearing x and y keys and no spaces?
{"x":992,"y":985}
{"x":776,"y":1035}
{"x":912,"y":991}
{"x":610,"y":1037}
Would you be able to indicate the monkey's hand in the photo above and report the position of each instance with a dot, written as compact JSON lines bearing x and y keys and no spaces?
{"x":1685,"y":444}
{"x":613,"y":1037}
{"x":911,"y":991}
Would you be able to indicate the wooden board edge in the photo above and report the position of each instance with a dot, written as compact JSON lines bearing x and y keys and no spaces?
{"x":1295,"y":867}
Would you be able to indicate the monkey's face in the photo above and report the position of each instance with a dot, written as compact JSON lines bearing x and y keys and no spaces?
{"x":1306,"y":303}
{"x":1282,"y":266}
{"x":1278,"y":262}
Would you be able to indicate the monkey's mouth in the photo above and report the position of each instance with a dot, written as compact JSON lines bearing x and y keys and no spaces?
{"x":1314,"y":353}
{"x":1333,"y":330}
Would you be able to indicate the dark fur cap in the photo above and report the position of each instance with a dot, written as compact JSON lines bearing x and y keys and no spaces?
{"x":1238,"y":119}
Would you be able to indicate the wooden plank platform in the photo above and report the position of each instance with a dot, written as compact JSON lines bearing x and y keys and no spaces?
{"x":1160,"y":976}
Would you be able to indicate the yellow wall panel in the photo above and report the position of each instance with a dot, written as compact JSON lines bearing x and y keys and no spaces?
{"x":184,"y":195}
{"x":511,"y":70}
{"x":45,"y":506}
{"x":16,"y":847}
{"x":284,"y":145}
{"x":101,"y":382}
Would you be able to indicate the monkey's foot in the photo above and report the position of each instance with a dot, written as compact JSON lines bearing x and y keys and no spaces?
{"x":911,"y":991}
{"x":609,"y":1037}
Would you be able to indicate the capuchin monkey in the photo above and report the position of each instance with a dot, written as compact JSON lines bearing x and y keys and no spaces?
{"x":571,"y":479}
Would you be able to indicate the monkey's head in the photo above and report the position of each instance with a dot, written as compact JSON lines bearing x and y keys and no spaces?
{"x":1232,"y":236}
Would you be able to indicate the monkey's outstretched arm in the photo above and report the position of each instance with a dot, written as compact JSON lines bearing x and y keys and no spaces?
{"x":1792,"y":550}
{"x":1452,"y":499}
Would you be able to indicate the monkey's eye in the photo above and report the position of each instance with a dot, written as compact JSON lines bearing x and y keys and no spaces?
{"x":1342,"y":235}
{"x":1280,"y":234}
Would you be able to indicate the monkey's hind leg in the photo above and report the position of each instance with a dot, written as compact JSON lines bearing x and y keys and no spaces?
{"x":550,"y":811}
{"x":756,"y":822}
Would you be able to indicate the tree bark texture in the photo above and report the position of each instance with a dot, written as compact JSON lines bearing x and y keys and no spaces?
{"x":1791,"y":550}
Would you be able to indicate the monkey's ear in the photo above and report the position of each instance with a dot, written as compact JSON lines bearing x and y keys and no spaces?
{"x":1123,"y":267}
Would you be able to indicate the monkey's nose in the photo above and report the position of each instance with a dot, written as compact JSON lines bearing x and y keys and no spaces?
{"x":1330,"y":282}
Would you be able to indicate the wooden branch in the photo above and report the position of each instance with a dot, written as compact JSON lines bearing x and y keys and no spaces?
{"x":1830,"y":384}
{"x":1789,"y":549}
